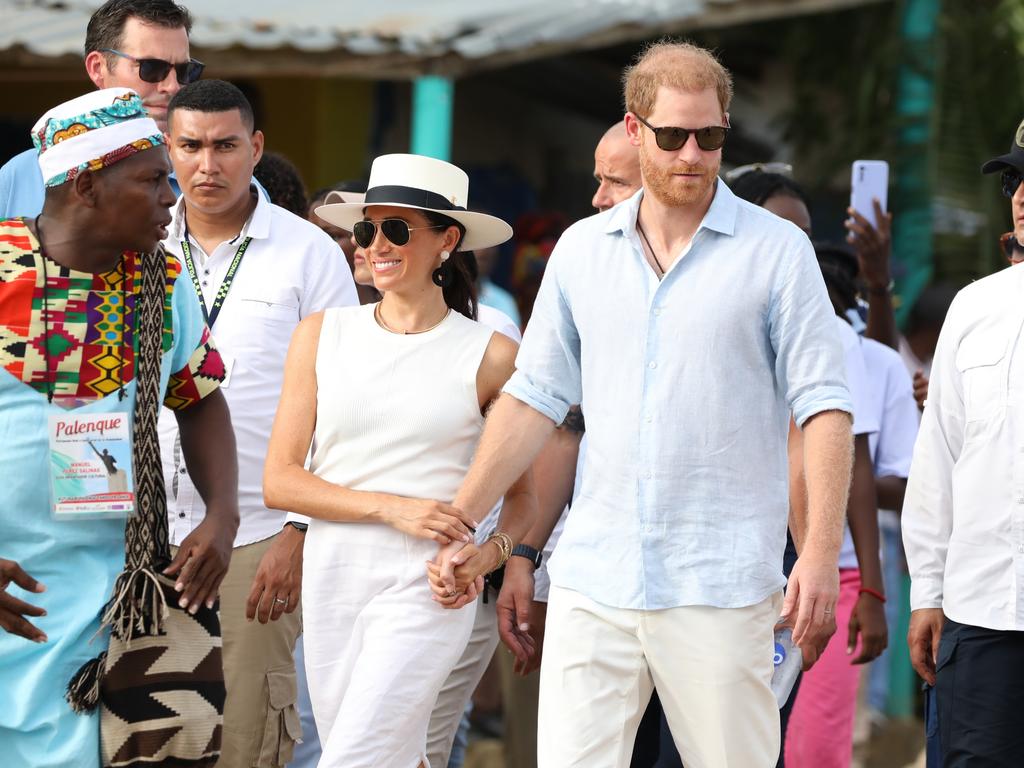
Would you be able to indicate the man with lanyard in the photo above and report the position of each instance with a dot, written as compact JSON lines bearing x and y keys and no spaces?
{"x":70,"y":284}
{"x":137,"y":44}
{"x":258,"y":270}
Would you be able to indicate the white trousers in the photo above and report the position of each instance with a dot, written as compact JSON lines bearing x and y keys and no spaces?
{"x":378,"y":649}
{"x":712,"y":668}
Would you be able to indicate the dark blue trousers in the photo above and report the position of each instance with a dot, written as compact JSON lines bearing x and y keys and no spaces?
{"x":979,"y":690}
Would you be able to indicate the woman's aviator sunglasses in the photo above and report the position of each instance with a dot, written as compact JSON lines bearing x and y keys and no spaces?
{"x":670,"y":138}
{"x":156,"y":70}
{"x":395,"y":230}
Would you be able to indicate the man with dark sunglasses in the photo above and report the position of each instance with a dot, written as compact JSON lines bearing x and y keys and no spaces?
{"x":137,"y":44}
{"x":962,"y":515}
{"x":688,"y":324}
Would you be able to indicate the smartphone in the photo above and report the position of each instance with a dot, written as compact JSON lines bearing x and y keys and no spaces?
{"x":869,"y":181}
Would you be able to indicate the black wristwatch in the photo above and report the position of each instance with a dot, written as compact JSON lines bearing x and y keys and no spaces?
{"x":531,"y":554}
{"x":297,"y":525}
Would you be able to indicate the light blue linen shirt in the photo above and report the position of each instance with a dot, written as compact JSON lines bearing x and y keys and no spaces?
{"x":687,"y":385}
{"x":21,"y":186}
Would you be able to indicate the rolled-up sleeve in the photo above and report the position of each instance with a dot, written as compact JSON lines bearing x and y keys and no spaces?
{"x":928,"y":504}
{"x":548,"y":376}
{"x":809,"y":362}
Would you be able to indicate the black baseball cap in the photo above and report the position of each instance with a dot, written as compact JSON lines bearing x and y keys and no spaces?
{"x":1012,"y":159}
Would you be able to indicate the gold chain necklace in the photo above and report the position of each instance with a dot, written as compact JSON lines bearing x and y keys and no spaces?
{"x":380,"y":321}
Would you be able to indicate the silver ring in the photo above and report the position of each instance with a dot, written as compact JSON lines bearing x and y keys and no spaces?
{"x":279,"y":600}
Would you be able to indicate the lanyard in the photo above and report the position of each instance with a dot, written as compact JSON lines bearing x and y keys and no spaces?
{"x":225,"y":286}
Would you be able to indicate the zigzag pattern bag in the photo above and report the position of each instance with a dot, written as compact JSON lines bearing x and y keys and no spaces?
{"x":160,"y":684}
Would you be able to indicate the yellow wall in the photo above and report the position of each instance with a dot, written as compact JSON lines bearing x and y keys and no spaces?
{"x":320,"y":125}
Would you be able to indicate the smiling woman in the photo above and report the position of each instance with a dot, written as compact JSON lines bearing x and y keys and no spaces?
{"x":394,"y":436}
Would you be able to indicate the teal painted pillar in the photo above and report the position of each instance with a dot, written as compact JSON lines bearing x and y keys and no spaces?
{"x":433,"y":99}
{"x":915,"y":99}
{"x":912,"y":249}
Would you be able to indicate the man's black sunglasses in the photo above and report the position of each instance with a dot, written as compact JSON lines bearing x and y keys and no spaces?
{"x":1011,"y":180}
{"x":670,"y":138}
{"x":156,"y":70}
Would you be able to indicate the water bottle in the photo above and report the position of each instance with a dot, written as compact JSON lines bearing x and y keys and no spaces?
{"x":788,"y":661}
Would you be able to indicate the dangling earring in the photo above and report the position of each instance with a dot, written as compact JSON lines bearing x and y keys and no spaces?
{"x":441,"y":276}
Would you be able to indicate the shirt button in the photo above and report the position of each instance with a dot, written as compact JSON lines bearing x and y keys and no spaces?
{"x":181,"y":515}
{"x":205,"y":282}
{"x":652,"y":365}
{"x":183,"y":471}
{"x":649,"y":419}
{"x":657,"y":312}
{"x":206,"y":271}
{"x":648,"y":475}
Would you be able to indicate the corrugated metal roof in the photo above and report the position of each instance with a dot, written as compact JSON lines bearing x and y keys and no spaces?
{"x":398,"y":37}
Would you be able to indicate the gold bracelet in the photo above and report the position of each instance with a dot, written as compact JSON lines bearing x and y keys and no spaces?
{"x":504,"y":542}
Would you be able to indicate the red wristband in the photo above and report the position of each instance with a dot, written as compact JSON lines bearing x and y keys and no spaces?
{"x":874,"y":593}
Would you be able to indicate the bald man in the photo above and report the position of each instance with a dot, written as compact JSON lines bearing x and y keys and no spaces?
{"x":616,"y":168}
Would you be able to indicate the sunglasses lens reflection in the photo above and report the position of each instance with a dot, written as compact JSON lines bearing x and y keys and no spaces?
{"x":153,"y":70}
{"x":395,"y":230}
{"x":1011,"y":180}
{"x":671,"y":139}
{"x":364,"y":232}
{"x":192,"y":71}
{"x":711,"y":138}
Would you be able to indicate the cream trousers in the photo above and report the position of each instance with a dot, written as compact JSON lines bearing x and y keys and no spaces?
{"x":712,"y":668}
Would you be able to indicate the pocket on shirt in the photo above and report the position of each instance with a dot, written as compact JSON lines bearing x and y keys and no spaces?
{"x":274,"y":307}
{"x":984,"y":378}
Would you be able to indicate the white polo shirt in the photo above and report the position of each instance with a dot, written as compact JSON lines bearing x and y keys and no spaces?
{"x":290,"y":269}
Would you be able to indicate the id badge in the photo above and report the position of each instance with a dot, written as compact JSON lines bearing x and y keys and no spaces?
{"x":91,"y":473}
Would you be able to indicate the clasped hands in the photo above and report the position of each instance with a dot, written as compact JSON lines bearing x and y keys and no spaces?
{"x":456,"y":578}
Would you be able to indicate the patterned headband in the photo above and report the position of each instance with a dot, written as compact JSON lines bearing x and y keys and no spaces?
{"x":92,"y":132}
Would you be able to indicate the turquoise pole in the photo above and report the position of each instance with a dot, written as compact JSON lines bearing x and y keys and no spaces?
{"x":433,"y":99}
{"x":912,"y":248}
{"x":915,"y":99}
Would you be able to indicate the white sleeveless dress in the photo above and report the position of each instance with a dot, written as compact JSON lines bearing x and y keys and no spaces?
{"x":399,"y":415}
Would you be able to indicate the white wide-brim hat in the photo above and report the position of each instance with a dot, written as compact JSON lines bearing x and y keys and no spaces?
{"x":422,"y":183}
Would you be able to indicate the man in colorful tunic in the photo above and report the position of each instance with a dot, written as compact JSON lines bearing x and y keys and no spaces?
{"x":69,"y":288}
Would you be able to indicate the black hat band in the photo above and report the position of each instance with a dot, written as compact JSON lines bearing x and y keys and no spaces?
{"x":420,"y":198}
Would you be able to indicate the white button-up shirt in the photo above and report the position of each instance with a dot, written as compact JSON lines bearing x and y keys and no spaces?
{"x":963,"y":517}
{"x":687,"y":385}
{"x":290,"y":270}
